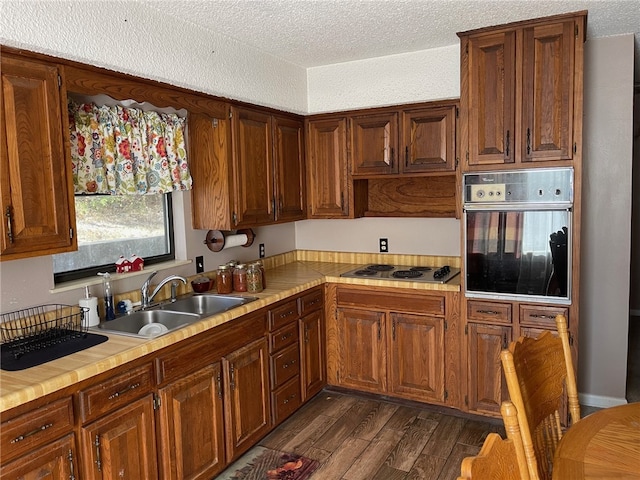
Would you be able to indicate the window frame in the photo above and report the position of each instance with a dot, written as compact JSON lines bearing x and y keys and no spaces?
{"x":89,"y":272}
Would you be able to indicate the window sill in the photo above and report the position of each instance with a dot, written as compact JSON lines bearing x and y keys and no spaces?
{"x":81,"y":283}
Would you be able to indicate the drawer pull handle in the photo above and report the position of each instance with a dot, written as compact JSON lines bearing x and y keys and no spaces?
{"x":123,"y":391}
{"x":284,"y":315}
{"x":284,"y":337}
{"x":287,"y":365}
{"x":541,"y":315}
{"x":489,"y":312}
{"x":287,"y":400}
{"x":19,"y":438}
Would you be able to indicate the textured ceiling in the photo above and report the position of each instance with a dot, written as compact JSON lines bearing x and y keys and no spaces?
{"x":310,"y":33}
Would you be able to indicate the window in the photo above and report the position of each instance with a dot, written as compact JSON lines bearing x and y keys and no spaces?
{"x":109,"y":226}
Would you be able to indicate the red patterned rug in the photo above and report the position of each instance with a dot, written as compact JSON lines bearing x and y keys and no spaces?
{"x":262,"y":463}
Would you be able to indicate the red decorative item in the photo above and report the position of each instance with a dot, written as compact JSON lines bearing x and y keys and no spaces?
{"x":137,"y":263}
{"x":123,"y":265}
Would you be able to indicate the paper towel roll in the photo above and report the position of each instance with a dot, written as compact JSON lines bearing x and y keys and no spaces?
{"x":91,"y":318}
{"x":234,"y":241}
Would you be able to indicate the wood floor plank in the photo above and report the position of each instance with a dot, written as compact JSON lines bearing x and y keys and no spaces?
{"x":451,"y":468}
{"x":426,"y":467}
{"x":411,"y":445}
{"x":373,"y":457}
{"x":306,"y":438}
{"x":328,"y":404}
{"x":475,"y":432}
{"x":387,"y":473}
{"x":373,"y":423}
{"x":403,"y":418}
{"x":346,"y":424}
{"x":317,"y":454}
{"x":444,"y":437}
{"x":334,"y":467}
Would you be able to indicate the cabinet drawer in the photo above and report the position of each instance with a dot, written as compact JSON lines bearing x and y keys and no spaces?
{"x":115,"y":392}
{"x":419,"y":302}
{"x":37,"y":427}
{"x":544,"y":316}
{"x":286,"y":400}
{"x":489,"y":312}
{"x":283,"y":337}
{"x":283,"y":314}
{"x":285,"y":365}
{"x":310,"y":302}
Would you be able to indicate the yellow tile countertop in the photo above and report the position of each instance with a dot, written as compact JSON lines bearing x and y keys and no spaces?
{"x":287,"y":275}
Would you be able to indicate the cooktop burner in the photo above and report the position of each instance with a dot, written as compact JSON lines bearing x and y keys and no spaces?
{"x":404,"y":273}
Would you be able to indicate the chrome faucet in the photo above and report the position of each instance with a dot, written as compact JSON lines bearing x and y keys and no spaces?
{"x":144,"y":291}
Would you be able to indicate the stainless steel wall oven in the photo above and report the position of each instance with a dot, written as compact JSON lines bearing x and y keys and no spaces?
{"x":517,"y":235}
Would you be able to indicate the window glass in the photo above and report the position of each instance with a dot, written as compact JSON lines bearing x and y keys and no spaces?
{"x":110,"y":226}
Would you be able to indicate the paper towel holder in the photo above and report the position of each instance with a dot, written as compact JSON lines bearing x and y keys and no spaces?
{"x":217,"y":239}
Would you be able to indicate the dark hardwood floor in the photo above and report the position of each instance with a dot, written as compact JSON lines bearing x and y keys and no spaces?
{"x":357,"y":437}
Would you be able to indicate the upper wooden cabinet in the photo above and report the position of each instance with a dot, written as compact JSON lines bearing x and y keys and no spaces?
{"x":412,"y":141}
{"x":36,"y":187}
{"x":521,"y":93}
{"x":327,"y":174}
{"x":288,"y":156}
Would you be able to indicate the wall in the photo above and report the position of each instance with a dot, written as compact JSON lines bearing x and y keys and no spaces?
{"x":606,"y":219}
{"x":634,"y":296}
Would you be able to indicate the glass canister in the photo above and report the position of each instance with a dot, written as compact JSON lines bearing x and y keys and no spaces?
{"x":224,"y":280}
{"x":264,"y":275}
{"x":240,"y":278}
{"x":254,"y":278}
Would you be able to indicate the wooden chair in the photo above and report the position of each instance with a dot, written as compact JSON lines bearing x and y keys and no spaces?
{"x":499,"y":459}
{"x":537,"y":372}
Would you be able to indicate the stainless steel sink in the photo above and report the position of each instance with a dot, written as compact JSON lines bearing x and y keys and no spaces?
{"x":206,"y":304}
{"x":169,"y":316}
{"x":154,"y":323}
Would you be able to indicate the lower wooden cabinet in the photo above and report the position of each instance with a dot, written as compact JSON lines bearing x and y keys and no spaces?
{"x":312,"y":354}
{"x":55,"y":461}
{"x":246,"y":397}
{"x":191,"y":426}
{"x":121,"y":444}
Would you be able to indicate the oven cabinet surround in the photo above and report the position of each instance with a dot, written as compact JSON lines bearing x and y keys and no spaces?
{"x":489,"y":328}
{"x":296,"y":352}
{"x":399,"y":342}
{"x":36,"y":186}
{"x":393,"y":161}
{"x":250,"y":169}
{"x":521,"y":93}
{"x":28,"y":450}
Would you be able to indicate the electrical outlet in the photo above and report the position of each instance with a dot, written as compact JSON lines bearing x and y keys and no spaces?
{"x":384,"y":245}
{"x":199,"y":264}
{"x":262,"y":250}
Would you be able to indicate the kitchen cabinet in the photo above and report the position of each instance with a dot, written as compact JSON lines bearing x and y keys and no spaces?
{"x":35,"y":167}
{"x":392,"y":343}
{"x":328,"y":186}
{"x":413,"y":141}
{"x":246,"y":397}
{"x":191,"y":425}
{"x":312,"y":354}
{"x":521,"y":93}
{"x":290,"y":185}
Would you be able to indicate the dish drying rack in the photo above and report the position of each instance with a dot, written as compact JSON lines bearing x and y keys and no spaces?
{"x":44,"y":326}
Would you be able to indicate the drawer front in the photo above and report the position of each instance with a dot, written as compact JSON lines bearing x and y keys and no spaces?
{"x":425,"y":303}
{"x":286,"y":400}
{"x":542,"y":316}
{"x":283,"y":337}
{"x":115,"y":392}
{"x":489,"y":312}
{"x":282,"y":315}
{"x":285,"y":365}
{"x":310,"y":302}
{"x":35,"y":428}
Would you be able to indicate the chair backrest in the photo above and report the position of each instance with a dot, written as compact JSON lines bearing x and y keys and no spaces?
{"x":537,"y":372}
{"x":499,"y":459}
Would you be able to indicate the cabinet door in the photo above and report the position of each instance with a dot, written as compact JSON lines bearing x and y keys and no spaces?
{"x":121,"y":444}
{"x":191,"y":426}
{"x":416,"y":357}
{"x":428,"y":140}
{"x":54,"y":462}
{"x":487,"y":386}
{"x":210,"y":165}
{"x":548,"y":92}
{"x":289,"y":161}
{"x":362,"y":349}
{"x":491,"y":79}
{"x":35,"y":169}
{"x":246,"y":387}
{"x":374,"y":144}
{"x":252,"y":159}
{"x":327,"y":176}
{"x":312,"y":354}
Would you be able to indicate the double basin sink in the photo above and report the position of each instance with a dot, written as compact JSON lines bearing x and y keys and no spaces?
{"x":168,"y":316}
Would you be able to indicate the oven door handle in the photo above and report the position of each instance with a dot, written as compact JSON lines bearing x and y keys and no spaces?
{"x":509,"y":207}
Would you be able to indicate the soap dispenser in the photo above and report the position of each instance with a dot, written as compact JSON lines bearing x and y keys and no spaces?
{"x":109,"y":311}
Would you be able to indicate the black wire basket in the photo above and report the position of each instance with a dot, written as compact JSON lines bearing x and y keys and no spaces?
{"x":41,"y":327}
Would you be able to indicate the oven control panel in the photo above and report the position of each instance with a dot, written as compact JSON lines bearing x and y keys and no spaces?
{"x":488,"y":193}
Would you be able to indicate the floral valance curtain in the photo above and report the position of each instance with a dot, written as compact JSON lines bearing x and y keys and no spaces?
{"x":127,"y":151}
